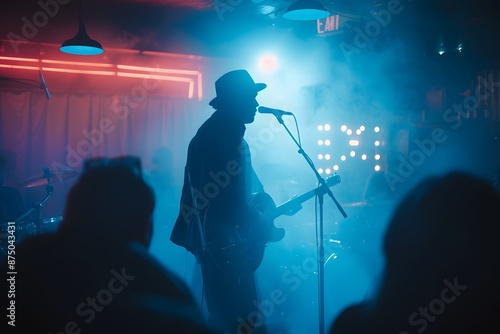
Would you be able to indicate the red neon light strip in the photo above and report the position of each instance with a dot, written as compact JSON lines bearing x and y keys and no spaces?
{"x":109,"y":73}
{"x":67,"y":70}
{"x":20,"y":59}
{"x":161,"y":77}
{"x":152,"y":76}
{"x":166,"y":70}
{"x":161,"y":70}
{"x":20,"y":67}
{"x":77,"y":63}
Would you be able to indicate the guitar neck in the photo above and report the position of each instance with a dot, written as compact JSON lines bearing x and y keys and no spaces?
{"x":295,"y":201}
{"x":290,"y":204}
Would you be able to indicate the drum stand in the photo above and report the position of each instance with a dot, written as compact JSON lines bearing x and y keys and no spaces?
{"x":49,"y":188}
{"x":320,"y":192}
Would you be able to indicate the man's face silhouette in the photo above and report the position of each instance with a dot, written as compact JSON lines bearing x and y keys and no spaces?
{"x":246,"y":107}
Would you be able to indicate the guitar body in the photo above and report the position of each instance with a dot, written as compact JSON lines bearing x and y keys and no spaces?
{"x":235,"y":238}
{"x":235,"y":244}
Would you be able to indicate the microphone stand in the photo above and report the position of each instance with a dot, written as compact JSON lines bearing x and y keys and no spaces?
{"x":20,"y":81}
{"x":320,"y":192}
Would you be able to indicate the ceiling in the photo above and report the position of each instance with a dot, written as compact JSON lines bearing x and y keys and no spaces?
{"x":233,"y":28}
{"x":220,"y":28}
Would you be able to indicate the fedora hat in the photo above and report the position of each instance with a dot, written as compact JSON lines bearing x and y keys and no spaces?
{"x":234,"y":83}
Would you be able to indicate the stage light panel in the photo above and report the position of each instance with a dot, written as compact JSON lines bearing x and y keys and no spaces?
{"x":353,"y":142}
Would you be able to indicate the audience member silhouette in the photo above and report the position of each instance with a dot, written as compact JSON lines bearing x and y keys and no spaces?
{"x":95,"y":273}
{"x":11,"y":202}
{"x":441,"y":249}
{"x":11,"y":208}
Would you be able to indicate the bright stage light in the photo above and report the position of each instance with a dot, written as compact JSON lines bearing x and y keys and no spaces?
{"x":327,"y":157}
{"x":363,"y":157}
{"x":327,"y":127}
{"x":376,"y":129}
{"x":349,"y":132}
{"x":377,"y":143}
{"x":352,"y":154}
{"x":343,"y":157}
{"x":328,"y":171}
{"x":268,"y":63}
{"x":362,"y":128}
{"x":320,"y":156}
{"x":377,"y":156}
{"x":320,"y":127}
{"x":358,"y":132}
{"x":320,"y":142}
{"x":335,"y":167}
{"x":327,"y":142}
{"x":376,"y":168}
{"x":343,"y":128}
{"x":320,"y":170}
{"x":354,"y":142}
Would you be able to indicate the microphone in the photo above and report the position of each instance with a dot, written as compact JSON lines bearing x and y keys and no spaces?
{"x":275,"y":112}
{"x":44,"y":85}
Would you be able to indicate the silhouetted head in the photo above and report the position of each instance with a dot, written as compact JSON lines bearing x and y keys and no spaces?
{"x":110,"y":201}
{"x":442,"y":260}
{"x":236,"y":93}
{"x":445,"y":227}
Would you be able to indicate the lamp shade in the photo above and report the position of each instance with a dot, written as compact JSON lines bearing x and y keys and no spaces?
{"x":304,"y":10}
{"x":82,"y":44}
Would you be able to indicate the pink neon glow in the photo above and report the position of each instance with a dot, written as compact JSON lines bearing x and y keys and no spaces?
{"x":190,"y":81}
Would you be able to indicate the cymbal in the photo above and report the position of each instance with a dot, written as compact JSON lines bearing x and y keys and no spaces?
{"x":52,"y":176}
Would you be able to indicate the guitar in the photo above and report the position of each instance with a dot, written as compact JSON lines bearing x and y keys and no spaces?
{"x":236,"y":246}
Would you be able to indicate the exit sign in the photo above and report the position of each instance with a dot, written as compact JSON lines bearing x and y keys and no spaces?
{"x":333,"y":24}
{"x":328,"y":25}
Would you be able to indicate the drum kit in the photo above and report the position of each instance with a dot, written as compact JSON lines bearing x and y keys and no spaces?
{"x":32,"y":222}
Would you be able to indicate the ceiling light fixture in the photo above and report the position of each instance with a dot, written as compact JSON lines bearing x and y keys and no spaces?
{"x":81,"y":44}
{"x":305,"y":10}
